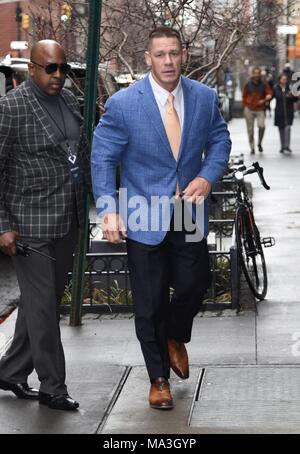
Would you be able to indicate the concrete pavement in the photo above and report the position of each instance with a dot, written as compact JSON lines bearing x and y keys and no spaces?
{"x":9,"y":290}
{"x":245,"y":369}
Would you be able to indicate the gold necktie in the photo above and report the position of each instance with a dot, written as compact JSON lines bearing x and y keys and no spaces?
{"x":172,"y":126}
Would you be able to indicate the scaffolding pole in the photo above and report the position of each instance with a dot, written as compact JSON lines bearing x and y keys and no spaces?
{"x":92,"y":62}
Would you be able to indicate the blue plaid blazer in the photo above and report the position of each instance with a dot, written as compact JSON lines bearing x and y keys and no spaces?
{"x":131,"y":134}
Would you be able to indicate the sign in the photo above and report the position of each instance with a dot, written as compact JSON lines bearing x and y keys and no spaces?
{"x":287,"y":30}
{"x":19,"y":45}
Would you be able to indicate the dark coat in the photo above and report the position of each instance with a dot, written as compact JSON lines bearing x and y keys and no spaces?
{"x":36,"y":190}
{"x":284,"y":110}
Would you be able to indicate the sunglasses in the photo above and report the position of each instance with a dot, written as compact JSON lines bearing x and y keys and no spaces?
{"x":53,"y":67}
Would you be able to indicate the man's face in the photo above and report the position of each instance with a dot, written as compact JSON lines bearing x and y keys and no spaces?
{"x":256,"y":75}
{"x":53,"y":83}
{"x":165,"y":56}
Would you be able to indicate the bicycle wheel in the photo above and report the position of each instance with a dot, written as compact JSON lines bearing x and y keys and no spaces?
{"x":250,"y":252}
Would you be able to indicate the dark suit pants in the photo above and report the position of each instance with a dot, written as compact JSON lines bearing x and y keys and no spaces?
{"x":173,"y":263}
{"x":37,"y":343}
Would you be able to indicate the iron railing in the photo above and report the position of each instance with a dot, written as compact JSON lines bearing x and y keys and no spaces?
{"x":107,"y":284}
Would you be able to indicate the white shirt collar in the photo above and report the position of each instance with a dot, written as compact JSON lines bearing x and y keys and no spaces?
{"x":161,"y":94}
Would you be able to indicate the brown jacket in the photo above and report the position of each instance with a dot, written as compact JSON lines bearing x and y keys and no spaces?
{"x":253,"y":93}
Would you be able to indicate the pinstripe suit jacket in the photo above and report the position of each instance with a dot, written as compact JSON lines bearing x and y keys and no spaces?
{"x":36,"y":192}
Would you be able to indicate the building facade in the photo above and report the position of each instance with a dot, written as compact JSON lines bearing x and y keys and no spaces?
{"x":293,"y":41}
{"x":32,"y":20}
{"x":14,"y":26}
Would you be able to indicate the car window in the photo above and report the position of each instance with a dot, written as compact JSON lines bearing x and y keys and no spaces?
{"x":20,"y":75}
{"x":6,"y":76}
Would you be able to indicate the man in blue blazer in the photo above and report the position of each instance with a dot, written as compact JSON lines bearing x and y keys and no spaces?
{"x":172,"y":145}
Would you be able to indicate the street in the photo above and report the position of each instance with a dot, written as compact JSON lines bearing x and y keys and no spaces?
{"x":245,"y":368}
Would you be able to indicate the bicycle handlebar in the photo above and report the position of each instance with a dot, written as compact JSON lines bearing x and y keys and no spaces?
{"x":255,"y":168}
{"x":260,"y":172}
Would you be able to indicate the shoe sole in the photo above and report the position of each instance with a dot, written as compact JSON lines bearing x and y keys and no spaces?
{"x":63,"y":409}
{"x":162,"y":407}
{"x":19,"y":395}
{"x":57,"y":408}
{"x":179,"y":374}
{"x":26,"y":397}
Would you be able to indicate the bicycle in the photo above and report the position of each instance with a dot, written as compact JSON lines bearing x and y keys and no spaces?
{"x":248,"y":240}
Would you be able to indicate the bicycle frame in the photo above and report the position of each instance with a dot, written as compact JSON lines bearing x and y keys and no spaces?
{"x":249,"y":242}
{"x":243,"y":201}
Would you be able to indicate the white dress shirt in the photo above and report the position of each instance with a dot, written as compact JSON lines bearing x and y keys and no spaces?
{"x":161,"y":96}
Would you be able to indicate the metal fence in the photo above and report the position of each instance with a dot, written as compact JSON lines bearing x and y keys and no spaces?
{"x":107,"y":284}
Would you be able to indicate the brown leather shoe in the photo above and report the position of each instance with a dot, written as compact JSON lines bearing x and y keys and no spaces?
{"x":160,"y":395}
{"x":179,"y":360}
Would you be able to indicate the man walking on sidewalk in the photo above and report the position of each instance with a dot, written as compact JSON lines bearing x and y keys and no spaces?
{"x":256,"y":94}
{"x":44,"y":165}
{"x":168,"y":136}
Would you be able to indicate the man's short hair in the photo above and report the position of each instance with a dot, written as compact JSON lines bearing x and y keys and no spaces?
{"x":164,"y":32}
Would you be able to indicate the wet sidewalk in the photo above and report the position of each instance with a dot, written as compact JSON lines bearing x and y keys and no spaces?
{"x":245,"y":369}
{"x":9,"y":290}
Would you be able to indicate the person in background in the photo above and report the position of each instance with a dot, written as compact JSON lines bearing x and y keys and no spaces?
{"x":268,"y":79}
{"x":287,"y":71}
{"x":284,"y":111}
{"x":256,"y":94}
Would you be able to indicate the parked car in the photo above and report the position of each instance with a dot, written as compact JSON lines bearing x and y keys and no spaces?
{"x":19,"y":66}
{"x":16,"y":72}
{"x":6,"y":79}
{"x":125,"y":79}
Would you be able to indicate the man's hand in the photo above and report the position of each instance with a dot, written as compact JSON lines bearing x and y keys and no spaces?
{"x":196,"y":190}
{"x":261,"y":102}
{"x":113,"y":228}
{"x":8,"y":242}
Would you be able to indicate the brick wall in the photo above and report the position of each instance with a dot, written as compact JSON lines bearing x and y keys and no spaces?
{"x":9,"y":28}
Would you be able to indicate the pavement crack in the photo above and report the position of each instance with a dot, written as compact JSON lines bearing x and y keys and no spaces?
{"x":114,"y":399}
{"x":196,"y":394}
